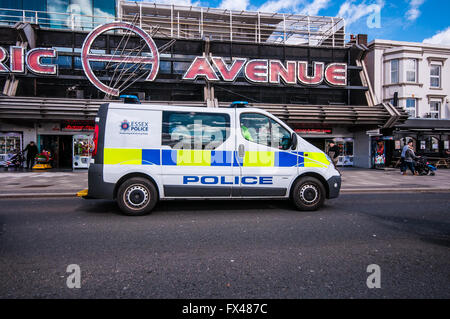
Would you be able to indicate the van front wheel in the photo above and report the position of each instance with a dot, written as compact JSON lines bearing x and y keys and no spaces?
{"x":137,"y":196}
{"x":308,"y":194}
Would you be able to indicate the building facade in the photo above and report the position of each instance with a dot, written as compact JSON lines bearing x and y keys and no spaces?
{"x":416,"y":76}
{"x":300,"y":68}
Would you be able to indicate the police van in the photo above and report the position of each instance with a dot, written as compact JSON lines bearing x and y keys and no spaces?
{"x":145,"y":153}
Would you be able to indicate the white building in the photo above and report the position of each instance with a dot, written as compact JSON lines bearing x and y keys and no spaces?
{"x":419,"y":74}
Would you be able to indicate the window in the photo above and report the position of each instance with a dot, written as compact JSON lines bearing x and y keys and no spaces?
{"x":255,"y":128}
{"x":394,"y":71}
{"x":281,"y":138}
{"x":435,"y":108}
{"x":429,"y":144}
{"x":260,"y":129}
{"x":411,"y":107}
{"x":435,"y":76}
{"x":411,"y":70}
{"x":191,"y":130}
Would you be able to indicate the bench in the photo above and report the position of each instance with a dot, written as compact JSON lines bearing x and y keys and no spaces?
{"x":443,"y":162}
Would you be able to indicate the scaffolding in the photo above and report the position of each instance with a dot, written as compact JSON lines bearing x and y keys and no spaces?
{"x":189,"y":22}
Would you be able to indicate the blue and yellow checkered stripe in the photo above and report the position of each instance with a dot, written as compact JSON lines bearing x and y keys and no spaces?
{"x":132,"y":156}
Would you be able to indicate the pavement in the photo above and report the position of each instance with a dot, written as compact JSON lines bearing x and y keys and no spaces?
{"x":227,"y":249}
{"x":65,"y":183}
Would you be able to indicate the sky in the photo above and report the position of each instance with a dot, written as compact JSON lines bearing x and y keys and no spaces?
{"x":402,"y":20}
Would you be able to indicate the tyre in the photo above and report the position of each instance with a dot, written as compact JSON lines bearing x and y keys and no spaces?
{"x":308,"y":193}
{"x":137,"y":196}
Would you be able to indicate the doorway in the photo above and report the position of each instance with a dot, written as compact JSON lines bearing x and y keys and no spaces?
{"x":60,"y":147}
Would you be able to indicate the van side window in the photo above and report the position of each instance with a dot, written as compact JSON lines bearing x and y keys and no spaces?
{"x":193,"y":130}
{"x":255,"y":128}
{"x":281,"y":138}
{"x":260,"y":129}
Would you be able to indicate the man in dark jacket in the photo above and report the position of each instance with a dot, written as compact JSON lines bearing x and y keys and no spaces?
{"x":333,"y":152}
{"x":32,"y":151}
{"x":410,"y":157}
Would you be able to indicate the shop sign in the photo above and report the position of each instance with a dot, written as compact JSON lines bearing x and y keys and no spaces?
{"x":212,"y":69}
{"x":314,"y":130}
{"x":32,"y":59}
{"x":77,"y":126}
{"x":267,"y":71}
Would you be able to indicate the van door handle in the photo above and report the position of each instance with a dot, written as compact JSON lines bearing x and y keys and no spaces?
{"x":241,"y":150}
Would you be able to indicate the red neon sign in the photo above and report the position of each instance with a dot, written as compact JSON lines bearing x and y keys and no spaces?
{"x":201,"y":67}
{"x":314,"y":130}
{"x":32,"y":60}
{"x":87,"y":56}
{"x":229,"y":73}
{"x":267,"y":71}
{"x":210,"y":68}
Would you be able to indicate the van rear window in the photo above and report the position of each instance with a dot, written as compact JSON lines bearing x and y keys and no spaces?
{"x":194,"y":130}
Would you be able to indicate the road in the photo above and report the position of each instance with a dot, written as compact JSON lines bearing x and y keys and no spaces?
{"x":228,"y":249}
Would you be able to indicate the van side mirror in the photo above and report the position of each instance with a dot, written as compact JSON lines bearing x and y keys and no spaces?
{"x":294,"y":141}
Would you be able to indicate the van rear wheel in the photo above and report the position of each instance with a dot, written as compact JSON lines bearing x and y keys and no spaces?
{"x":137,"y":196}
{"x":308,"y":194}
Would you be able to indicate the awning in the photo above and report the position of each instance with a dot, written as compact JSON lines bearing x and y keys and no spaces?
{"x":431,"y":124}
{"x":383,"y":115}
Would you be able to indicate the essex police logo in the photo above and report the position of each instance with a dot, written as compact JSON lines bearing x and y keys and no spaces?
{"x":134,"y":127}
{"x":125,"y":125}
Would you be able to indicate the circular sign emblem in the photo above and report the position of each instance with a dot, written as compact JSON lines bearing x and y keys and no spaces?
{"x":125,"y":125}
{"x":124,"y":62}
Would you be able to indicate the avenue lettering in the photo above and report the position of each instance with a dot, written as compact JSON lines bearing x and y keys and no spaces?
{"x":267,"y":71}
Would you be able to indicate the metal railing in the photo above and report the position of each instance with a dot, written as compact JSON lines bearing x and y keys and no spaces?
{"x":188,"y":22}
{"x":54,"y":20}
{"x":184,"y":22}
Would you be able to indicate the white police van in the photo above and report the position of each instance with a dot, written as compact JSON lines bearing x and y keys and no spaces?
{"x":145,"y":153}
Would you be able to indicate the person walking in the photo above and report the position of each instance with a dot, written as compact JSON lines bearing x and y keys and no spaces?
{"x":32,"y":151}
{"x":410,"y":157}
{"x":402,"y":157}
{"x":334,"y":152}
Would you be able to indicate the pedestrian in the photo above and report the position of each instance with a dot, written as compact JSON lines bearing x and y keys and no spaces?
{"x":410,"y":157}
{"x":334,"y":152}
{"x":402,"y":157}
{"x":32,"y":151}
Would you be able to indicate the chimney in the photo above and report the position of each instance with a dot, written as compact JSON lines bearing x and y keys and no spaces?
{"x":362,"y":39}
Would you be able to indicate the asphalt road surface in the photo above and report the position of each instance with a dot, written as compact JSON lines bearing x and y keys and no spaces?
{"x":228,"y":249}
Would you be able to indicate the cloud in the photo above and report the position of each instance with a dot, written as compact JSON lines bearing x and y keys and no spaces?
{"x":176,"y":2}
{"x":234,"y":4}
{"x":280,"y":5}
{"x":413,"y":13}
{"x":442,"y":37}
{"x":352,"y":12}
{"x":314,"y":7}
{"x":294,"y":6}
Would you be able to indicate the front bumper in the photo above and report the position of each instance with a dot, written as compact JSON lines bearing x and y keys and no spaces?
{"x":334,"y":186}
